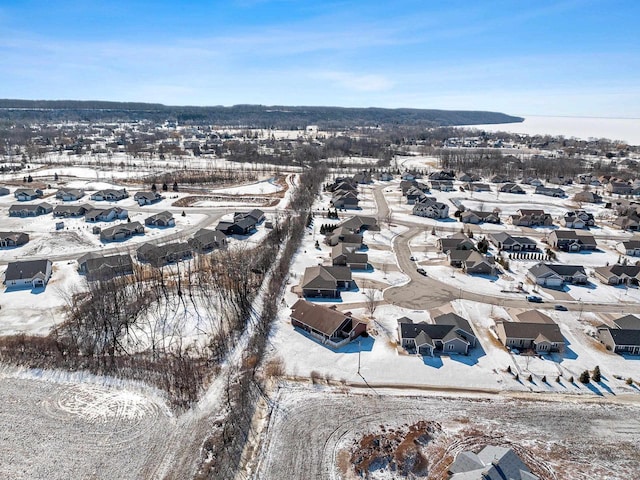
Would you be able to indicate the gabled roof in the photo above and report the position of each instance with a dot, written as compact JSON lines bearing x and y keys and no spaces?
{"x":531,"y":331}
{"x":357,"y":222}
{"x":320,"y":277}
{"x":628,"y":322}
{"x":453,"y":319}
{"x":323,"y":319}
{"x":625,"y":336}
{"x":534,"y":316}
{"x":26,"y":269}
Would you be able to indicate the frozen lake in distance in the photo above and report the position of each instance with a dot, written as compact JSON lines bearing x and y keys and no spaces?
{"x":625,"y":129}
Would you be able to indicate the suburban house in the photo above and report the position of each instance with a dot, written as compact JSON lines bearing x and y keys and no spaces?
{"x":477,"y":187}
{"x":28,"y":273}
{"x":414,"y":195}
{"x":450,"y":333}
{"x":572,"y":241}
{"x":26,"y":194}
{"x":110,"y":195}
{"x":556,"y":275}
{"x":327,"y":325}
{"x":30,"y":210}
{"x":160,"y":255}
{"x":619,"y":188}
{"x":629,"y":221}
{"x":430,"y":208}
{"x":106,"y":214}
{"x":499,"y":179}
{"x":342,"y":183}
{"x":531,"y":218}
{"x":491,"y":463}
{"x":406,"y":185}
{"x":629,"y":247}
{"x":343,"y":235}
{"x":66,"y":211}
{"x":508,"y":243}
{"x":618,"y":274}
{"x":321,"y":281}
{"x":457,"y":241}
{"x":345,"y":199}
{"x":442,"y":175}
{"x":578,"y":219}
{"x":96,"y":266}
{"x":363,"y":177}
{"x":69,"y":194}
{"x":550,"y":191}
{"x":385,"y":176}
{"x":511,"y":188}
{"x":543,"y":337}
{"x":359,"y":223}
{"x":147,"y":198}
{"x":442,"y":185}
{"x":587,"y":196}
{"x":469,"y":177}
{"x":472,"y":262}
{"x":347,"y":256}
{"x":476,"y":216}
{"x":206,"y":240}
{"x":4,"y":191}
{"x":243,"y":226}
{"x":122,"y":231}
{"x":256,"y":215}
{"x":534,"y":182}
{"x":162,"y":219}
{"x":623,"y":337}
{"x":13,"y":239}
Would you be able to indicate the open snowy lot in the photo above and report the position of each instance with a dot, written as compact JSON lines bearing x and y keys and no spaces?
{"x":545,"y":432}
{"x":61,"y":429}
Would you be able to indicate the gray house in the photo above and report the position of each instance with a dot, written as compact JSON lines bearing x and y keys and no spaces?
{"x":491,"y":463}
{"x":623,"y":337}
{"x":162,"y":219}
{"x":556,"y":275}
{"x":110,"y":195}
{"x":69,"y":194}
{"x":13,"y":239}
{"x":121,"y":232}
{"x":147,"y":198}
{"x":449,"y":334}
{"x":347,"y":256}
{"x":618,"y":274}
{"x":30,"y":210}
{"x":206,"y":240}
{"x":29,"y":273}
{"x":508,"y":243}
{"x":159,"y":255}
{"x":629,"y":247}
{"x":96,"y":266}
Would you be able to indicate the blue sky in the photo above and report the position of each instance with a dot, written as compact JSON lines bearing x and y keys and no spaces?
{"x":573,"y":57}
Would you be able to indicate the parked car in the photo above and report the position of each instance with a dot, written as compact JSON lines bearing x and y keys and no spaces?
{"x":560,"y":308}
{"x":421,"y":271}
{"x":412,"y":258}
{"x":534,"y":299}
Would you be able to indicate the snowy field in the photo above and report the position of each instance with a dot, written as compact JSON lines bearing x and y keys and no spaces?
{"x":626,"y":129}
{"x":545,"y":432}
{"x":61,"y":427}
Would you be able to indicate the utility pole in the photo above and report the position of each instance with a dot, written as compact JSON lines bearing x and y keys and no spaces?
{"x":359,"y":350}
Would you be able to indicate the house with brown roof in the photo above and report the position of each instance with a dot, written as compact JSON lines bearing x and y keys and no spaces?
{"x":344,"y":235}
{"x":539,"y":336}
{"x":327,"y":325}
{"x":321,"y":281}
{"x":618,"y":274}
{"x":457,"y":241}
{"x":531,"y":218}
{"x":572,"y":241}
{"x":629,"y":247}
{"x":475,"y":217}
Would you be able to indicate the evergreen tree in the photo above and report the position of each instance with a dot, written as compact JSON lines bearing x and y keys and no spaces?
{"x":584,"y":377}
{"x":153,"y":187}
{"x":597,"y":376}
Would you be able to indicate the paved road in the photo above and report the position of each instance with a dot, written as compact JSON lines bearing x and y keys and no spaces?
{"x":428,"y":293}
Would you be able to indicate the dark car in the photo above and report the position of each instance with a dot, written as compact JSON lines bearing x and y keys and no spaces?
{"x":421,"y":271}
{"x":561,"y":308}
{"x":534,"y":299}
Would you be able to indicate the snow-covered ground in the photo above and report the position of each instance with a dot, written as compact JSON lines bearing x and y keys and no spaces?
{"x":625,"y":129}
